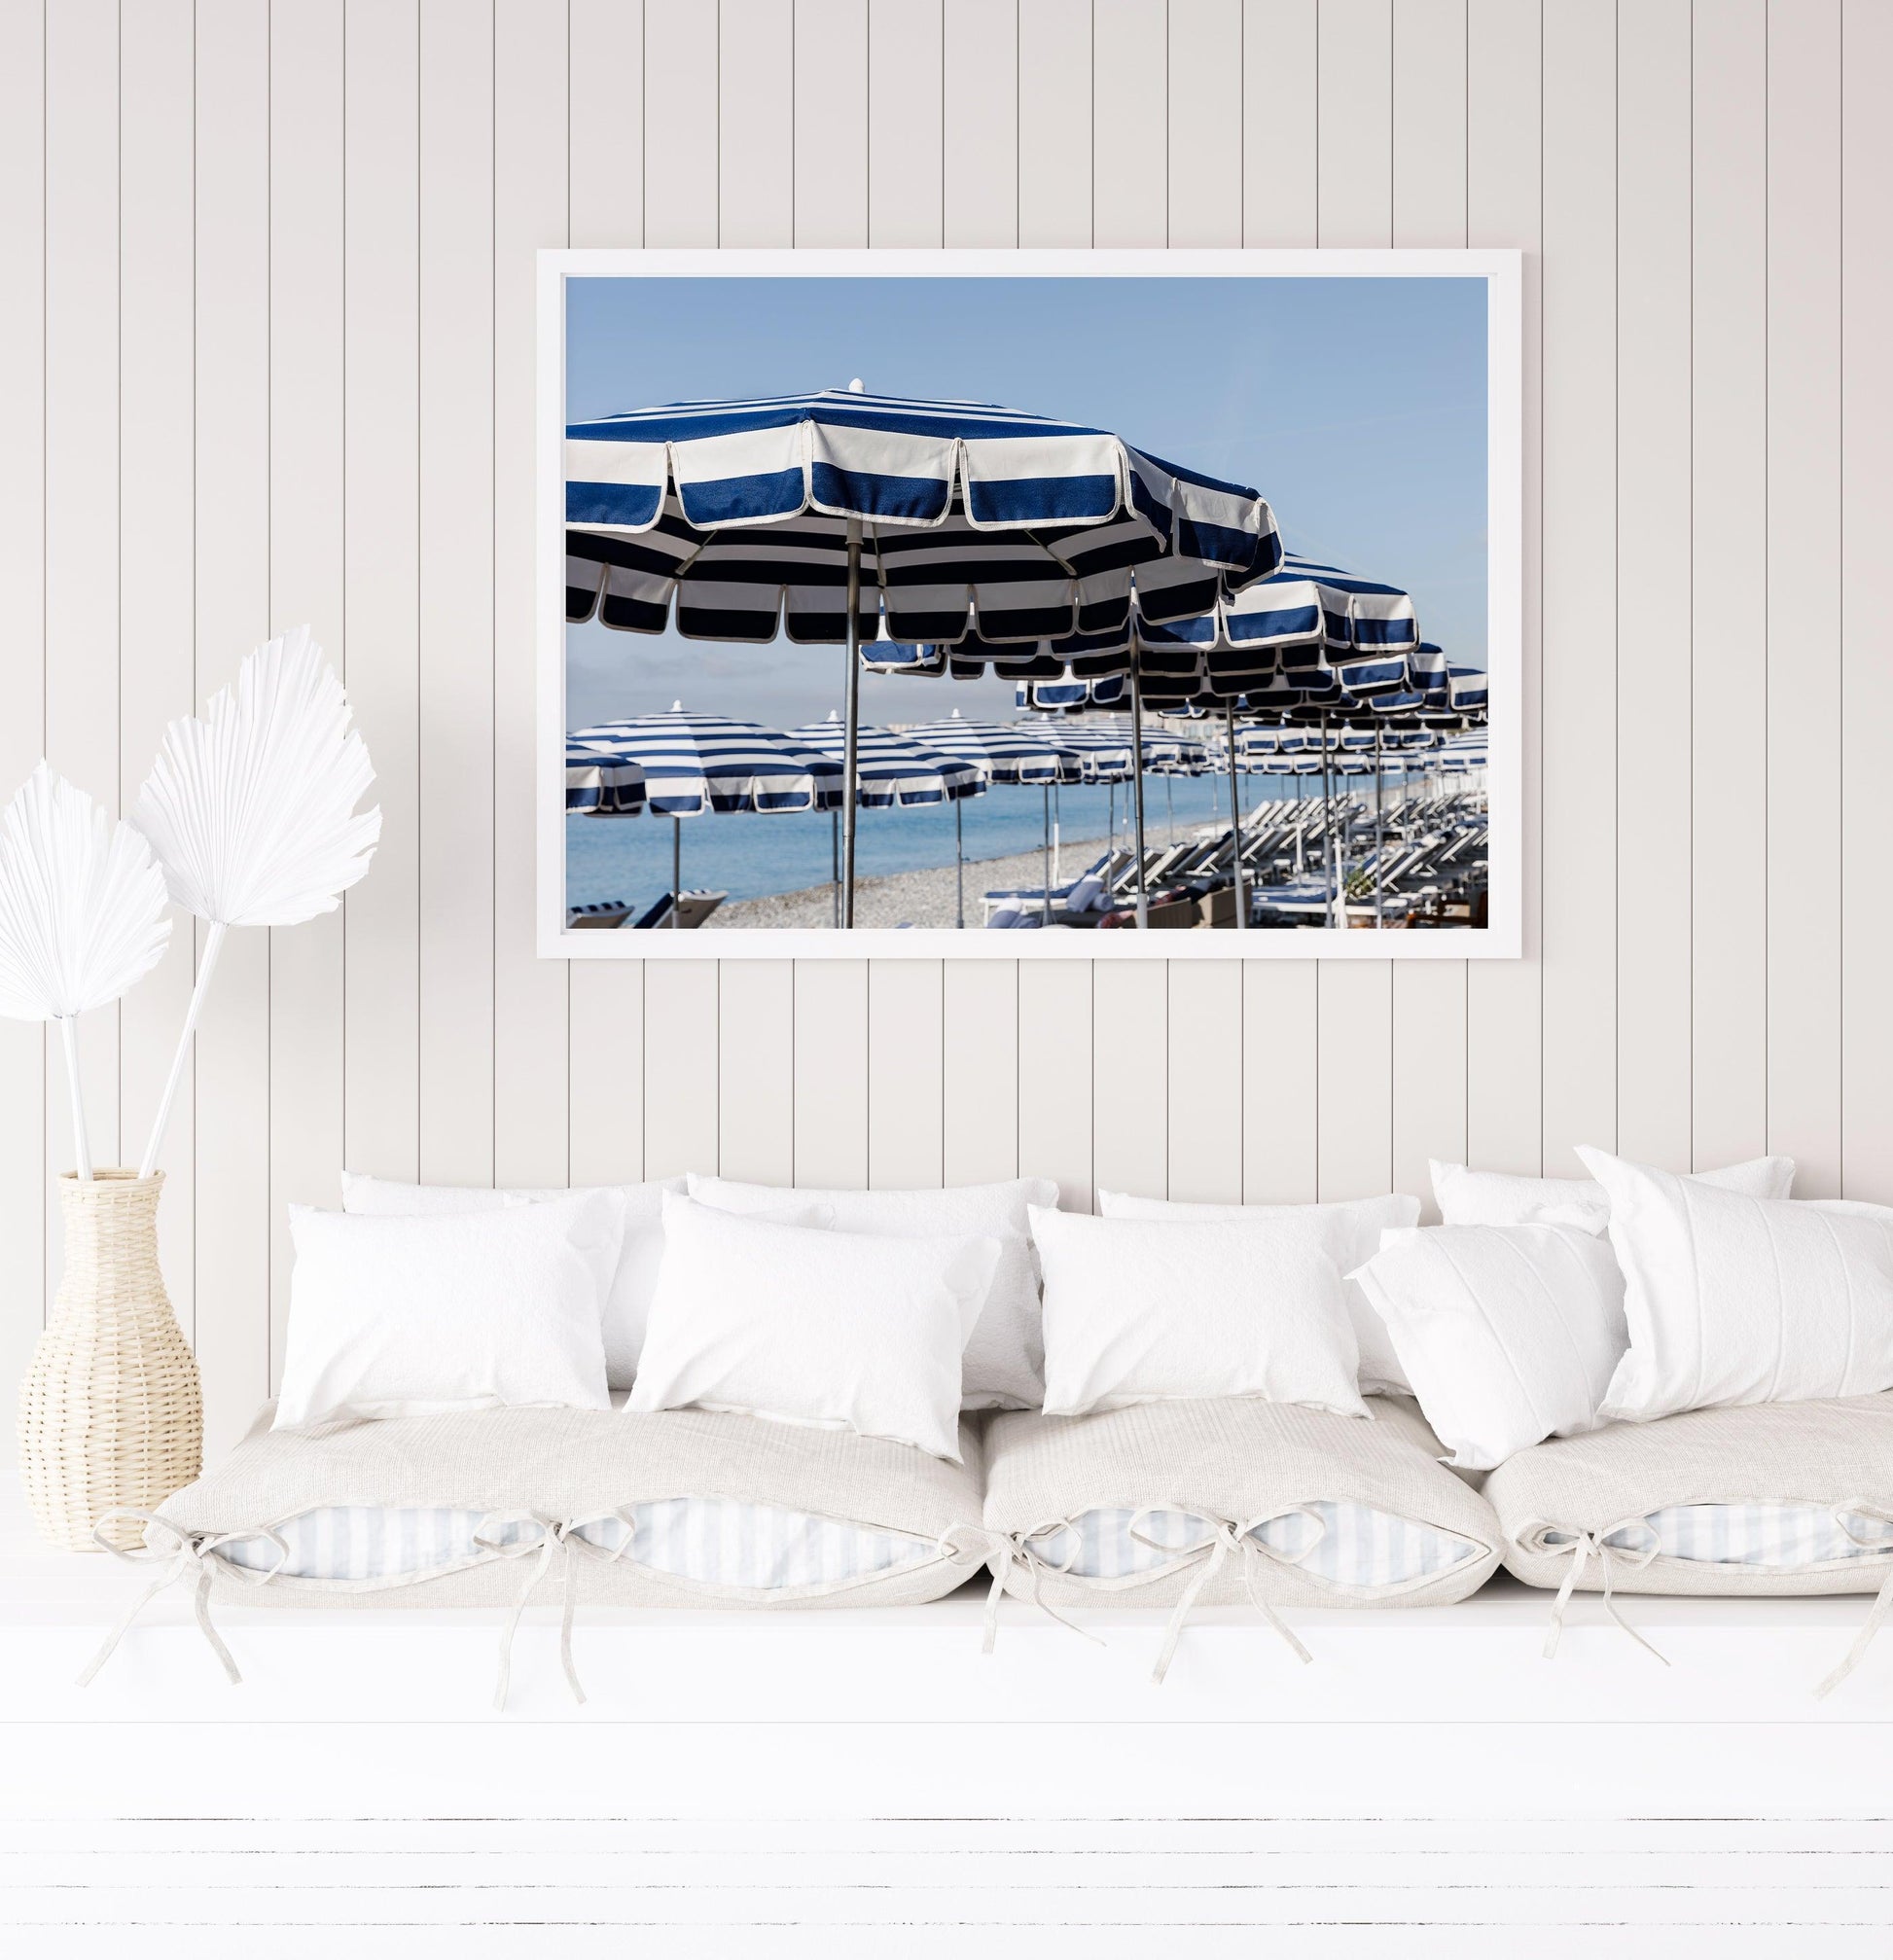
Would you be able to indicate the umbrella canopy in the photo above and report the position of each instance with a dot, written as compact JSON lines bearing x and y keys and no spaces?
{"x":894,"y":769}
{"x":1005,"y":752}
{"x":599,"y":784}
{"x":694,"y":763}
{"x":735,"y":519}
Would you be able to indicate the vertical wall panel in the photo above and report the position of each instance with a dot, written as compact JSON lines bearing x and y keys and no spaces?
{"x":906,"y":1061}
{"x":1729,"y":708}
{"x":1429,"y":209}
{"x":381,"y":552}
{"x":81,"y":496}
{"x":1504,"y":206}
{"x":1204,"y":123}
{"x":758,"y":152}
{"x":831,"y":1063}
{"x":982,"y":121}
{"x":1802,"y":506}
{"x":605,"y":189}
{"x":1279,"y":164}
{"x":1129,"y":1100}
{"x":1204,"y":1065}
{"x":1579,"y":574}
{"x":232,"y":615}
{"x":531,"y":1034}
{"x":681,"y":129}
{"x":1354,"y":1041}
{"x":681,"y":1075}
{"x":755,"y":1074}
{"x":1130,"y":123}
{"x":156,"y":598}
{"x":456,"y":592}
{"x":305,"y":578}
{"x":979,"y":1071}
{"x":1653,"y":583}
{"x":831,"y":142}
{"x":1055,"y":122}
{"x":905,"y":81}
{"x":23,"y":1158}
{"x":1866,"y":523}
{"x":1054,"y":1075}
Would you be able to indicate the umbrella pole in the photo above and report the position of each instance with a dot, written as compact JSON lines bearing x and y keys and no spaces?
{"x":1235,"y":820}
{"x":959,"y":866}
{"x":850,"y":760}
{"x":1380,"y":848}
{"x":1058,"y":841}
{"x":1137,"y":779}
{"x":835,"y":862}
{"x":676,"y":870}
{"x":1328,"y":820}
{"x":1169,"y":806}
{"x":1045,"y":793}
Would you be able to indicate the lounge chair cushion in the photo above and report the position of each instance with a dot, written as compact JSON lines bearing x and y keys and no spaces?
{"x":1781,"y":1497}
{"x":1125,"y":1507}
{"x":698,"y":1508}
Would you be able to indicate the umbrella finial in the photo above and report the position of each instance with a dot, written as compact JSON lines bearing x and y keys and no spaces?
{"x":676,"y":707}
{"x":855,"y":387}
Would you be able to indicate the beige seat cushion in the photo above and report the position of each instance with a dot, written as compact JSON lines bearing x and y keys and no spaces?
{"x":905,"y":1525}
{"x":1774,"y":1497}
{"x":1122,"y":1506}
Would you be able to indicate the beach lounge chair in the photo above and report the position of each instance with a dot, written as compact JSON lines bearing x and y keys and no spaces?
{"x":607,"y":915}
{"x":691,"y":908}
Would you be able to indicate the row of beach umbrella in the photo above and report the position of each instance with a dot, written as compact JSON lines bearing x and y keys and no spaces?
{"x":965,"y":539}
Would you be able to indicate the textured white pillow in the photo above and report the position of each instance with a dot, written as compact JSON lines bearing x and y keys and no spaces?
{"x":1165,"y":1310}
{"x":1495,"y":1197}
{"x":430,"y":1316}
{"x":1508,"y":1332}
{"x":1004,"y":1360}
{"x":1350,"y":1232}
{"x":841,"y":1330}
{"x":1733,"y":1298}
{"x":637,"y":1262}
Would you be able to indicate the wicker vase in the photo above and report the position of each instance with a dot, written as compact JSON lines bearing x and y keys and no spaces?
{"x":110,"y":1412}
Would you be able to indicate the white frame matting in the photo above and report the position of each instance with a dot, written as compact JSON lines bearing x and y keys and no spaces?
{"x":1499,"y":938}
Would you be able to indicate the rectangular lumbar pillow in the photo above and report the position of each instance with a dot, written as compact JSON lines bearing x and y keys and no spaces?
{"x":1004,"y":1360}
{"x":630,"y":1301}
{"x":1159,"y":1310}
{"x":1495,"y":1197}
{"x":1738,"y":1300}
{"x":426,"y":1316}
{"x":1350,"y":1230}
{"x":1508,"y":1332}
{"x":838,"y":1329}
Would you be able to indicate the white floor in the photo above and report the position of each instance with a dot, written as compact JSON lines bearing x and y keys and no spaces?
{"x":858,"y":1782}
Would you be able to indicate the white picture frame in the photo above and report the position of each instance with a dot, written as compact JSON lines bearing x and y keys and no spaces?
{"x":1500,"y":938}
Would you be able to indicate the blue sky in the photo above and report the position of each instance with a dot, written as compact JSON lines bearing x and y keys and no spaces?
{"x":1356,"y":407}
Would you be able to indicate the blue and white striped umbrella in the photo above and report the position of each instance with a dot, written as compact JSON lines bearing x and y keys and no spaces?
{"x":735,"y":519}
{"x":895,"y":770}
{"x":600,"y":784}
{"x":695,"y":764}
{"x":1005,"y":752}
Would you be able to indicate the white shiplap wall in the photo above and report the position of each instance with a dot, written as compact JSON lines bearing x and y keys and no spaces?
{"x":266,"y":355}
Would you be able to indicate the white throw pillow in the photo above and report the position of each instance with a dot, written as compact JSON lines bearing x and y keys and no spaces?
{"x":1738,"y":1300}
{"x":1495,"y":1197}
{"x":637,"y":1261}
{"x":431,"y":1316}
{"x":1508,"y":1332}
{"x":1163,"y":1311}
{"x":841,"y":1329}
{"x":1004,"y":1360}
{"x":1350,"y":1230}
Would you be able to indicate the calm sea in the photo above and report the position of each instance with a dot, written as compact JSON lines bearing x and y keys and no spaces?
{"x":629,"y":858}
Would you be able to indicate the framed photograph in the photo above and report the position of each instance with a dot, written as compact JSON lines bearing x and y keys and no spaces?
{"x":1022,"y":604}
